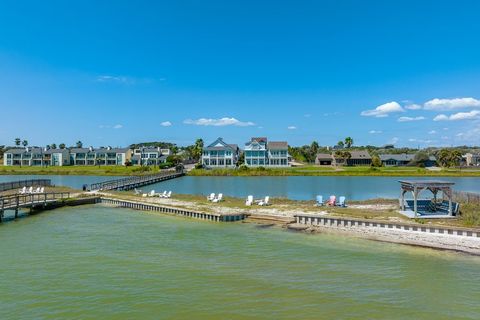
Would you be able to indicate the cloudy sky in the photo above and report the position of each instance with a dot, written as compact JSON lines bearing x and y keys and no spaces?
{"x":114,"y":73}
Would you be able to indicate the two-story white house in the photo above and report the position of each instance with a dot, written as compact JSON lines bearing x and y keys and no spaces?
{"x":259,"y":152}
{"x":220,"y":154}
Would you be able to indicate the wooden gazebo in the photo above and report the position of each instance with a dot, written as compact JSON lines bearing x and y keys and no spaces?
{"x":433,"y":186}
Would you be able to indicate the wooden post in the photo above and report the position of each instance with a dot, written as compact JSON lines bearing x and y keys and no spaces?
{"x":16,"y":206}
{"x":415,"y":196}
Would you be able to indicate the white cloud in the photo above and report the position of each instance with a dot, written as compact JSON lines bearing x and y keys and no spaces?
{"x":166,"y":124}
{"x":117,"y":126}
{"x":394,"y":140}
{"x":115,"y":79}
{"x":222,"y":122}
{"x":472,"y":115}
{"x":432,"y":132}
{"x":420,"y":140}
{"x":408,"y":119}
{"x":413,"y":106}
{"x":451,"y":104}
{"x":375,"y":132}
{"x":291,"y":128}
{"x":383,"y":110}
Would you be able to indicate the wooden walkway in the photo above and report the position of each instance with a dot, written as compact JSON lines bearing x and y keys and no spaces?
{"x":136,"y":181}
{"x":17,"y":201}
{"x":5,"y":186}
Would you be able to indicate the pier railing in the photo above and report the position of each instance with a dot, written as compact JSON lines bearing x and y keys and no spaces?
{"x":26,"y":200}
{"x":135,"y":181}
{"x":5,"y":186}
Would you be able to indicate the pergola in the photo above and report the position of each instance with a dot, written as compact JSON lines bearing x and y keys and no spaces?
{"x":433,"y":186}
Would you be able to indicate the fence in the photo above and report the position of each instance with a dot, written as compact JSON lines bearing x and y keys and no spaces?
{"x":466,"y":197}
{"x":25,"y":183}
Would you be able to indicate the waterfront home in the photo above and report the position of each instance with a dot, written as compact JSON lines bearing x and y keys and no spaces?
{"x":358,"y":158}
{"x":397,"y":160}
{"x":147,"y":156}
{"x":220,"y":154}
{"x":36,"y":156}
{"x":324,"y":159}
{"x":259,"y":152}
{"x":471,"y":159}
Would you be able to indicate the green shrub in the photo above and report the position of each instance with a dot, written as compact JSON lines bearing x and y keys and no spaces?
{"x":243,"y":168}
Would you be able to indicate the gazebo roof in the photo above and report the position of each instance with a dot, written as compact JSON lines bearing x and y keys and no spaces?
{"x":426,"y":183}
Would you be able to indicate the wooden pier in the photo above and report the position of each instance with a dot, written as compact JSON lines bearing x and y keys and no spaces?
{"x":5,"y":186}
{"x":137,"y":205}
{"x":17,"y":201}
{"x":136,"y":181}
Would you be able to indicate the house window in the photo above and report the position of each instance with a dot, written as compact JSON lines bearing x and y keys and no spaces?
{"x":228,"y":162}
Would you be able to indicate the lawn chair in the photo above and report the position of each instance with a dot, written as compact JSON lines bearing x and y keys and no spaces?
{"x":37,"y":190}
{"x":319,"y":201}
{"x":264,"y":202}
{"x":163,"y":195}
{"x":42,"y":190}
{"x":151,"y":193}
{"x":23,"y":190}
{"x":169,"y":194}
{"x":30,"y":190}
{"x":219,"y":198}
{"x":137,"y":192}
{"x":332,"y":201}
{"x":249,"y":201}
{"x":211,"y":197}
{"x":341,"y":202}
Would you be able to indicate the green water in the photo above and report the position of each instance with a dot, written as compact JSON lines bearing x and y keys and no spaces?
{"x":104,"y":263}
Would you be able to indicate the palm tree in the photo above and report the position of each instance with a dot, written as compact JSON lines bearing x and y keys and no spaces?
{"x":348,"y":142}
{"x":61,"y":145}
{"x":340,"y":144}
{"x":18,"y":142}
{"x":53,"y":146}
{"x":79,"y":144}
{"x":197,"y":149}
{"x":25,"y":143}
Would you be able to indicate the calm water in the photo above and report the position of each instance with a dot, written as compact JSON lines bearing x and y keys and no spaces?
{"x":300,"y":188}
{"x":297,"y":188}
{"x":106,"y":263}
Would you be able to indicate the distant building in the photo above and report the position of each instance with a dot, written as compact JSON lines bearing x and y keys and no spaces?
{"x":99,"y":157}
{"x":148,"y":156}
{"x":397,"y":160}
{"x":471,"y":159}
{"x":324,"y":159}
{"x":358,"y":158}
{"x":220,"y":154}
{"x":35,"y":156}
{"x":259,"y":152}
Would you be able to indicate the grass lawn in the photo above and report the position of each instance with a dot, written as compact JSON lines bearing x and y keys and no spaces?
{"x":340,"y":171}
{"x":79,"y":170}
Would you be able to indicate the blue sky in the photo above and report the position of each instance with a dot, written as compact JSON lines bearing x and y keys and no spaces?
{"x":114,"y":73}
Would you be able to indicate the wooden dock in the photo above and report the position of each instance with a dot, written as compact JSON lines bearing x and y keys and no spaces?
{"x":5,"y":186}
{"x":17,"y":201}
{"x":130,"y":183}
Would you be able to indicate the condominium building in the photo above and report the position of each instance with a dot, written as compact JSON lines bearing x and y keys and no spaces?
{"x":35,"y":156}
{"x":148,"y":156}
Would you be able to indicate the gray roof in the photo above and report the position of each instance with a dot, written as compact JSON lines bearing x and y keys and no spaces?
{"x":277,"y":145}
{"x":79,"y":150}
{"x":359,"y":154}
{"x":397,"y":157}
{"x":324,"y":156}
{"x":213,"y":146}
